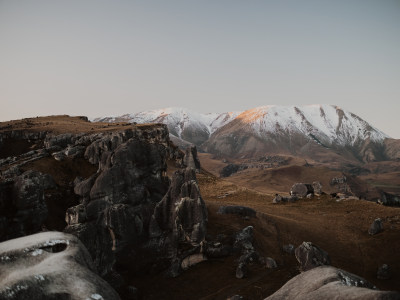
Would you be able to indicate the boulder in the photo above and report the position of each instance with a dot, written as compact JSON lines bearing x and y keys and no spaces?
{"x":237,"y":210}
{"x":327,"y":282}
{"x":301,"y":190}
{"x":277,"y":199}
{"x":310,"y":256}
{"x":376,"y":227}
{"x":55,"y":266}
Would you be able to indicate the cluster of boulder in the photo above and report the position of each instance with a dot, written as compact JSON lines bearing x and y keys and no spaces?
{"x":300,"y":190}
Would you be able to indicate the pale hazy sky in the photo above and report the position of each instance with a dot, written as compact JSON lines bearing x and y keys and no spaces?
{"x":100,"y":57}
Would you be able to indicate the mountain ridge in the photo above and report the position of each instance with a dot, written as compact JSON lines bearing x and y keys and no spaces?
{"x":271,"y":128}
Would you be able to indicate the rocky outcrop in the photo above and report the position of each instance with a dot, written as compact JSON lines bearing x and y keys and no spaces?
{"x":311,"y":256}
{"x":55,"y":266}
{"x":231,"y":169}
{"x":376,"y":227}
{"x":117,"y":202}
{"x":23,"y":208}
{"x":326,"y":282}
{"x":190,"y":159}
{"x":180,"y":217}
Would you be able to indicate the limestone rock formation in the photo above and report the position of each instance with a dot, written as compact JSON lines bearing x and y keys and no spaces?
{"x":180,"y":217}
{"x":117,"y":202}
{"x":190,"y":159}
{"x":311,"y":256}
{"x":327,"y":282}
{"x":55,"y":266}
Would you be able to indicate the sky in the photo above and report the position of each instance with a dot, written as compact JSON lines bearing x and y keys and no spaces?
{"x":108,"y":58}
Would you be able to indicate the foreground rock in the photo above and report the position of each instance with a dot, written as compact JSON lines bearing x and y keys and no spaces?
{"x":311,"y":256}
{"x":50,"y":265}
{"x":326,"y":282}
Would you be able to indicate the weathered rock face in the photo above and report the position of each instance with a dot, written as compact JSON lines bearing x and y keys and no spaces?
{"x":190,"y":159}
{"x":376,"y":227}
{"x":311,"y":256}
{"x":301,"y":190}
{"x":180,"y":217}
{"x":182,"y":210}
{"x":23,"y":208}
{"x":46,"y":259}
{"x":326,"y":282}
{"x":118,"y":201}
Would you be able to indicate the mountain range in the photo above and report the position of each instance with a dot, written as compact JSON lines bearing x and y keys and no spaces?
{"x":324,"y":133}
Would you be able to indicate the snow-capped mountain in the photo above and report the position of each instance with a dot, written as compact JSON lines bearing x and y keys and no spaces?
{"x":329,"y":124}
{"x":182,"y":123}
{"x":271,"y":128}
